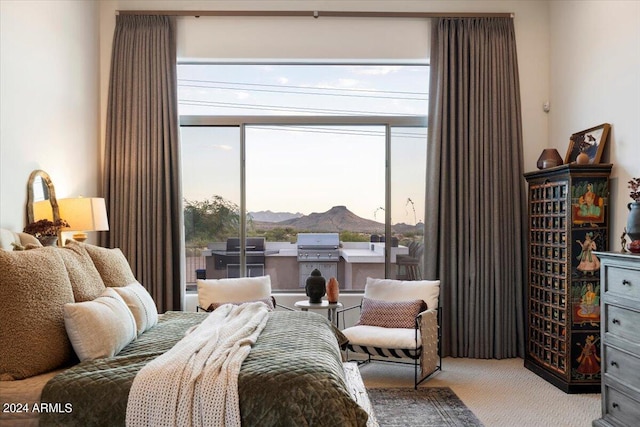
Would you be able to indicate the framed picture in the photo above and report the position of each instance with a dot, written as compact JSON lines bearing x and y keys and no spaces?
{"x":590,"y":141}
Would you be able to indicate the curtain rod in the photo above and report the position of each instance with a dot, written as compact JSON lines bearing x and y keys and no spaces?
{"x":314,"y":13}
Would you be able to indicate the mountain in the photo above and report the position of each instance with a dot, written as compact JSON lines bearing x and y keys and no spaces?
{"x":336,"y":219}
{"x":268,"y":216}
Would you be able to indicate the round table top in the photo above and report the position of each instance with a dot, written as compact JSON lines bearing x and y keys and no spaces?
{"x":324,"y":304}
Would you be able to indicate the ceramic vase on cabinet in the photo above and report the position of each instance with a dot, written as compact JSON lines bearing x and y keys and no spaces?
{"x":633,"y":221}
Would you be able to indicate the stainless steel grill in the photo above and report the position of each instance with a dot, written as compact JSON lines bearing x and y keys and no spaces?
{"x":318,"y":247}
{"x":318,"y":251}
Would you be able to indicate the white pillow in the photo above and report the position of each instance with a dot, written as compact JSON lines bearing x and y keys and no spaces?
{"x":141,"y":304}
{"x":403,"y":290}
{"x":243,"y":289}
{"x":99,"y":328}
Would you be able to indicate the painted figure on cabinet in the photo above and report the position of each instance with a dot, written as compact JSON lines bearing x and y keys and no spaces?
{"x":589,"y":199}
{"x":589,"y":262}
{"x":588,"y":361}
{"x":586,"y":304}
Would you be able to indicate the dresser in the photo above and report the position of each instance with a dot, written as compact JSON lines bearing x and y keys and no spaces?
{"x":620,"y":335}
{"x":568,"y":220}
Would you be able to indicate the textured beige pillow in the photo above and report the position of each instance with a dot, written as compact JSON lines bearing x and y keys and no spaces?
{"x":85,"y":278}
{"x":34,"y":286}
{"x":141,"y":304}
{"x":99,"y":328}
{"x":111,"y":264}
{"x":397,"y":314}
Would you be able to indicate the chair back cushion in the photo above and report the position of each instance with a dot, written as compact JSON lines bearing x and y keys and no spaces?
{"x":403,"y":290}
{"x":243,"y":289}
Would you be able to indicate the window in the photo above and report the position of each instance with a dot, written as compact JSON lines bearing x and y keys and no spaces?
{"x":272,"y":151}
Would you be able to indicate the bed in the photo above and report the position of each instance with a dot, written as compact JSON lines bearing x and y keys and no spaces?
{"x":292,"y":376}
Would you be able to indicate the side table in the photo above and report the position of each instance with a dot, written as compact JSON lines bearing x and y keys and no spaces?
{"x":332,"y":308}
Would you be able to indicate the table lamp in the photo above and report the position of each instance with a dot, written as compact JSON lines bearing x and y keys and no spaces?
{"x":84,"y":214}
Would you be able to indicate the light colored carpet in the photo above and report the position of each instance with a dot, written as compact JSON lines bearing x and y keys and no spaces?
{"x":499,"y":392}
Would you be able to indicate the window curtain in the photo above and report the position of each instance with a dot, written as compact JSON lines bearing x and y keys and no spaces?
{"x":141,"y":170}
{"x":475,"y":188}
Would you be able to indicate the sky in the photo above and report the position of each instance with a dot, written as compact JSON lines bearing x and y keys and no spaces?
{"x":306,"y":169}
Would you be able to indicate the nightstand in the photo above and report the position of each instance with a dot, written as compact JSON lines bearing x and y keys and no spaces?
{"x":331,"y":308}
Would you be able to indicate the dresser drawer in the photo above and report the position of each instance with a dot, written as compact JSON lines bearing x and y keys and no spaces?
{"x":622,"y":323}
{"x":622,"y":281}
{"x":623,"y":366}
{"x":621,"y":407}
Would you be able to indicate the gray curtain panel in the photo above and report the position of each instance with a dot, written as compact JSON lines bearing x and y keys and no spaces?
{"x":475,"y":201}
{"x":141,"y":171}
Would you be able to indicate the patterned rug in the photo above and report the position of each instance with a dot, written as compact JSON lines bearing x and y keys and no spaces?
{"x":425,"y":407}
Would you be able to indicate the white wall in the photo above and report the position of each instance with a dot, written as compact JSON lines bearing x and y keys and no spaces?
{"x":49,"y":105}
{"x":595,"y":78}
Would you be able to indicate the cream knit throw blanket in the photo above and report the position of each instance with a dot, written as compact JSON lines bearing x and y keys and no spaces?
{"x":196,"y":382}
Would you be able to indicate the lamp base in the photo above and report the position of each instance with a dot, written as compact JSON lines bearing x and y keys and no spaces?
{"x":80,"y":237}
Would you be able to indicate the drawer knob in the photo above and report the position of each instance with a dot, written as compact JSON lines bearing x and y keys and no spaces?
{"x":615,"y":321}
{"x":625,"y":282}
{"x":614,"y":364}
{"x":614,"y":405}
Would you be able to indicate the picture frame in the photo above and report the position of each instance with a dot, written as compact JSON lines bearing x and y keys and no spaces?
{"x":591,"y":141}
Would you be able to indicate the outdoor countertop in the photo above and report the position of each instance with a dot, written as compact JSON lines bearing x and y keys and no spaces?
{"x":350,"y":255}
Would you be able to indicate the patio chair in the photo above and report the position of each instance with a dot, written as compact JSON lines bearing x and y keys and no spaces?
{"x":409,"y":264}
{"x":213,"y":293}
{"x":395,"y":326}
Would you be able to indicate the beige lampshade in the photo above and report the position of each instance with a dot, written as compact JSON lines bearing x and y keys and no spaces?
{"x":42,"y":210}
{"x":84,"y":214}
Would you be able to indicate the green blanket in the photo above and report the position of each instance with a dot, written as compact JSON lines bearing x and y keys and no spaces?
{"x":293,"y":376}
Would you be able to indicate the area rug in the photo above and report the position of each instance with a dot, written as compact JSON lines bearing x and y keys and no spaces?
{"x":424,"y":407}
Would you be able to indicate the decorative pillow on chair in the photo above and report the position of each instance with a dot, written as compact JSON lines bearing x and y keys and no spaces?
{"x":111,"y":264}
{"x":243,"y":289}
{"x":141,"y":304}
{"x":99,"y":328}
{"x":387,"y":314}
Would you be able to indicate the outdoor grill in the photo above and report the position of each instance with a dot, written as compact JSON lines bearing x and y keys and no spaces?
{"x":318,"y":251}
{"x":229,"y":259}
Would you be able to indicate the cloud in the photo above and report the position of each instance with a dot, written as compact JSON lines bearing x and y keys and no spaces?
{"x":223,"y":147}
{"x":379,"y":70}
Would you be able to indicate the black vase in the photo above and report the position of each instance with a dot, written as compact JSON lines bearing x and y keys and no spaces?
{"x":316,"y":287}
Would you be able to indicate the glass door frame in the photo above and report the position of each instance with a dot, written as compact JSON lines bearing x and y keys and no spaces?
{"x":241,"y":122}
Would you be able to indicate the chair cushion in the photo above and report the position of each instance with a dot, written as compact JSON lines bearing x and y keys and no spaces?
{"x":141,"y":304}
{"x":34,"y":289}
{"x":376,"y":336}
{"x":387,"y":314}
{"x":99,"y":328}
{"x":237,"y":290}
{"x":403,"y":290}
